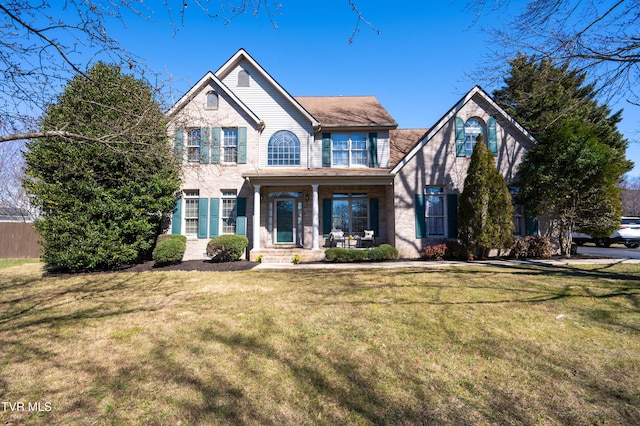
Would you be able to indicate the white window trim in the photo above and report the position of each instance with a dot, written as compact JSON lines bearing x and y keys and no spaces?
{"x":190,"y":194}
{"x":223,"y":146}
{"x":230,"y":194}
{"x":441,"y":193}
{"x":190,"y":145}
{"x":350,"y":151}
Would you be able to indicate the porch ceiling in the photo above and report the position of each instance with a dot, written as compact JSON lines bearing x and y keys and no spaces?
{"x":325,"y":176}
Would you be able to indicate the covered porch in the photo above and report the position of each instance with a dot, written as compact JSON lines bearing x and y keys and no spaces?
{"x":297,"y":209}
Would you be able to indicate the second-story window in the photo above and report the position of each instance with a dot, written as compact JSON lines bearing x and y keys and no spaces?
{"x":194,"y":139}
{"x":283,"y":149}
{"x":230,"y":145}
{"x":349,"y":149}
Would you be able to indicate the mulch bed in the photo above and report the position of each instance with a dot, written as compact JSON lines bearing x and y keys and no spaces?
{"x":195,"y":265}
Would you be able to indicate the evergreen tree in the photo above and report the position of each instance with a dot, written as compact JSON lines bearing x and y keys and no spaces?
{"x":485,"y":211}
{"x":104,"y":195}
{"x":570,"y":176}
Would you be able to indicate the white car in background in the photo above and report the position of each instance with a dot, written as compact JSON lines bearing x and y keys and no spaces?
{"x":628,"y":234}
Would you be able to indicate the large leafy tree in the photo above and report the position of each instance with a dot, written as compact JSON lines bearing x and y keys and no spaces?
{"x":102,"y":195}
{"x":485,"y":211}
{"x":570,"y":176}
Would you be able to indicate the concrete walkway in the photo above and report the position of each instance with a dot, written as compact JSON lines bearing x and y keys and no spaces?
{"x":446,"y":263}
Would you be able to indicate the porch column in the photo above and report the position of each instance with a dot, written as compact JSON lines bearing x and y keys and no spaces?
{"x":256,"y":217}
{"x":315,"y":213}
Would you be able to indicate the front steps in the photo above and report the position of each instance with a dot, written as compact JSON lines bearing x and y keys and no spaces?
{"x":197,"y":250}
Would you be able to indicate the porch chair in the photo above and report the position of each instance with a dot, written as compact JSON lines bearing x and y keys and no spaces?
{"x":336,"y":236}
{"x":368,"y":239}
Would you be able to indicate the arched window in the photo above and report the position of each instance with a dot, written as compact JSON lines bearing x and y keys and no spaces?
{"x":243,"y":78}
{"x":284,"y":149}
{"x":212,"y":100}
{"x":472,"y":128}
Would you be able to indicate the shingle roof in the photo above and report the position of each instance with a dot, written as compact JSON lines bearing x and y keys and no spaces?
{"x":345,"y":111}
{"x":402,"y":142}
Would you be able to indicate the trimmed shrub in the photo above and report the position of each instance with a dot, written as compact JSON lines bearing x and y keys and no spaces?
{"x":357,"y":255}
{"x":336,"y":255}
{"x":520,"y":248}
{"x":457,"y":251}
{"x":376,"y":254}
{"x":169,"y":249}
{"x":434,"y":252}
{"x":383,"y":252}
{"x":539,"y":247}
{"x":532,"y":247}
{"x":227,"y":248}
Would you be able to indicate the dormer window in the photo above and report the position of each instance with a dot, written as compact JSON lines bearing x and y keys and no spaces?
{"x":243,"y":78}
{"x":212,"y":100}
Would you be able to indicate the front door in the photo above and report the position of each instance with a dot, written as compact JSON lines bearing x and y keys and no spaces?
{"x":285,"y":210}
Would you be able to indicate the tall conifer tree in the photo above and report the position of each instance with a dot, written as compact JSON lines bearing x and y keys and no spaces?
{"x":485,"y":211}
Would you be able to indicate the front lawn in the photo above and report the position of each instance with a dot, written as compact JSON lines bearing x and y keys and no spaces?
{"x":464,"y":345}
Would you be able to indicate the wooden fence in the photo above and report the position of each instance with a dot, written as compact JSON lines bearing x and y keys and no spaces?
{"x":18,"y":240}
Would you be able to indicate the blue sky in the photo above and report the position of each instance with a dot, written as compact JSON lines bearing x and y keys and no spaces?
{"x":417,"y":67}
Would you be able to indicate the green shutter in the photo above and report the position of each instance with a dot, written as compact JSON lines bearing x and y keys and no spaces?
{"x":241,"y":206}
{"x":373,"y":149}
{"x":326,"y":150}
{"x":452,"y":215}
{"x":176,"y":218}
{"x":178,"y":144}
{"x":460,"y":138}
{"x":203,"y":216}
{"x":205,"y":145}
{"x":242,"y":145}
{"x":215,"y":145}
{"x":241,"y":226}
{"x":326,"y":216}
{"x":492,"y":136}
{"x":374,"y":216}
{"x":214,"y":217}
{"x":421,"y":224}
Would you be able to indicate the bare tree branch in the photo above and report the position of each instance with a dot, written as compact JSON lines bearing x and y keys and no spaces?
{"x":600,"y":38}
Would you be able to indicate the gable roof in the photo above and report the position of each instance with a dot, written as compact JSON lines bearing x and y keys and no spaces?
{"x":402,"y":141}
{"x":476,"y":91}
{"x":242,"y":54}
{"x":347,"y":111}
{"x":209,"y":77}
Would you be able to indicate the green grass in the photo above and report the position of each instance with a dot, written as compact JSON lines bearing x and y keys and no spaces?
{"x":9,"y":263}
{"x":467,"y":345}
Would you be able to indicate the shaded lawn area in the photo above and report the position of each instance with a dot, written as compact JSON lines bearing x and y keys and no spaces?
{"x":458,"y":345}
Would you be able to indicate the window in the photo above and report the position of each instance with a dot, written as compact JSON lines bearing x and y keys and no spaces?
{"x":349,"y":149}
{"x":229,"y":212}
{"x":194,"y":139}
{"x":350,"y":212}
{"x":230,"y":146}
{"x":435,"y":211}
{"x":284,"y":149}
{"x":212,"y":100}
{"x":243,"y":78}
{"x":472,"y":129}
{"x":191,"y":201}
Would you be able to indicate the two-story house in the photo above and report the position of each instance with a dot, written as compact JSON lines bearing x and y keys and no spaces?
{"x":285,"y":170}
